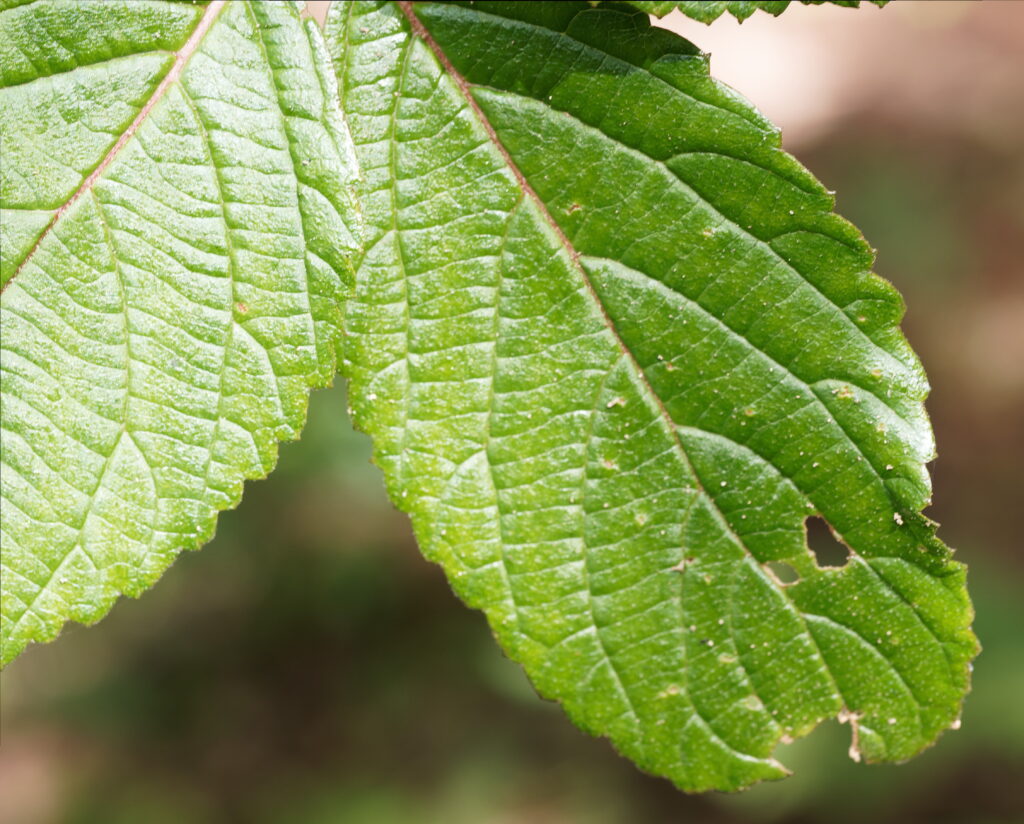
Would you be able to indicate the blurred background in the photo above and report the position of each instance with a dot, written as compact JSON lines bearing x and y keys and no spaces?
{"x":309,"y":666}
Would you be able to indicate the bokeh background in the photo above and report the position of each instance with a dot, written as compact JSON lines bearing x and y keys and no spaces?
{"x":309,"y":666}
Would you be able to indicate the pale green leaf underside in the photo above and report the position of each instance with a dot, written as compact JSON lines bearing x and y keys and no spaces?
{"x":706,"y":11}
{"x":613,"y":347}
{"x":175,"y":238}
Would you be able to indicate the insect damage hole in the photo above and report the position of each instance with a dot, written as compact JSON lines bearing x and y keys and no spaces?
{"x":825,"y":544}
{"x":782,"y":572}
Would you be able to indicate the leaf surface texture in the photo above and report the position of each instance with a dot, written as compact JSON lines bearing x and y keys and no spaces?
{"x":614,"y":347}
{"x":176,"y":234}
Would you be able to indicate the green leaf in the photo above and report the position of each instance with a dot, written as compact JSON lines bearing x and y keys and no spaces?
{"x":613,"y":348}
{"x":707,"y":11}
{"x":175,"y":246}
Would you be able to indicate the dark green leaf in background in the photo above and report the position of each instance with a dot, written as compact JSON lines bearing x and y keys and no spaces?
{"x":707,"y":11}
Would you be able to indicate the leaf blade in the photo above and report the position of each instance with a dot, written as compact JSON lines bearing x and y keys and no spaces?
{"x":571,"y":488}
{"x":163,"y":333}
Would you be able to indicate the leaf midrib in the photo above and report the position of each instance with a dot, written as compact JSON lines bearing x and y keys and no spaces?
{"x":464,"y":87}
{"x":182,"y":56}
{"x":419,"y":30}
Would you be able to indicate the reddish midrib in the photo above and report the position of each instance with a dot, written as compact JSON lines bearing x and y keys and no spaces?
{"x":180,"y":59}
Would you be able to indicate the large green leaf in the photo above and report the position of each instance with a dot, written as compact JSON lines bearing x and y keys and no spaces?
{"x":614,"y":348}
{"x":175,"y":234}
{"x":707,"y":11}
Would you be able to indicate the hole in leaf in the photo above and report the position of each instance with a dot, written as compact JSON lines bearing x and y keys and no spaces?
{"x":828,"y":549}
{"x":785,"y":573}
